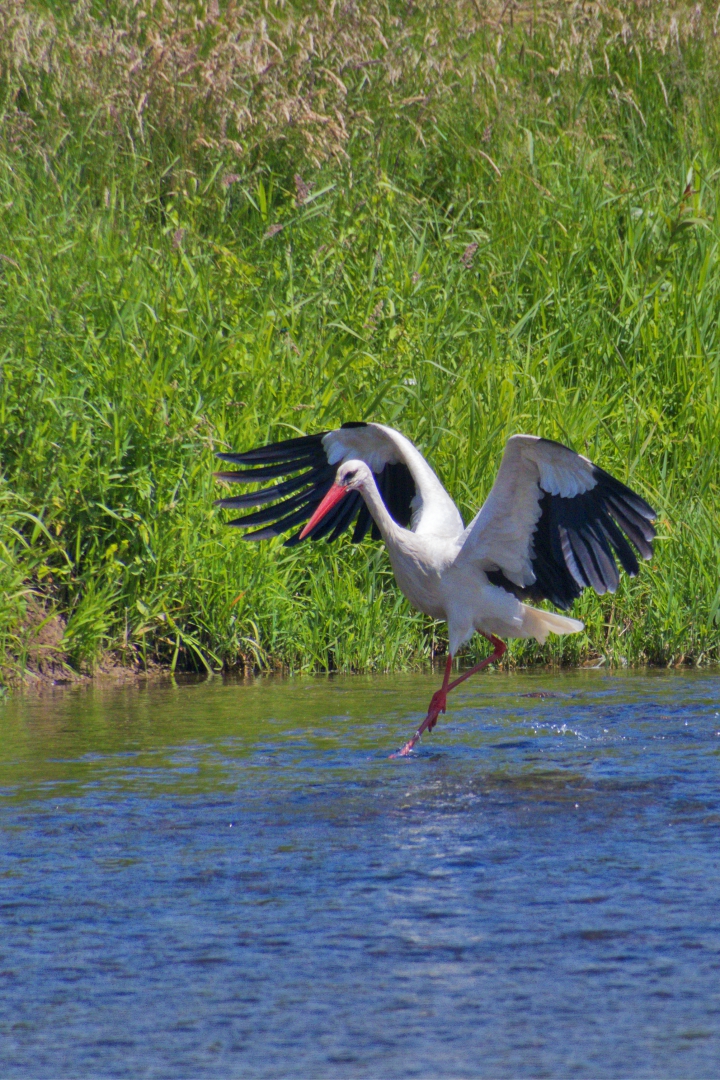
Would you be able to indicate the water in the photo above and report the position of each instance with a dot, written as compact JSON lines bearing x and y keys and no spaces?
{"x":220,"y":879}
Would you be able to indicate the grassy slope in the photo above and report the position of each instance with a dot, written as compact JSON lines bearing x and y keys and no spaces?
{"x":145,"y":322}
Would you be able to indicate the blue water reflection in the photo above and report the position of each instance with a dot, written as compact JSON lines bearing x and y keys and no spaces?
{"x":232,"y":879}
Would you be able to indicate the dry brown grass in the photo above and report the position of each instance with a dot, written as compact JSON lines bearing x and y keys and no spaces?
{"x":239,"y":77}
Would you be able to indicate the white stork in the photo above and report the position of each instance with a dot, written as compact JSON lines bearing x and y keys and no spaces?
{"x":551,"y":526}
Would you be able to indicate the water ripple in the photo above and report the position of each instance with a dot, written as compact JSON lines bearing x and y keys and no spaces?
{"x":232,"y":879}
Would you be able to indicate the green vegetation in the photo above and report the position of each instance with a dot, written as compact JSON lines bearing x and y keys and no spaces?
{"x":226,"y":224}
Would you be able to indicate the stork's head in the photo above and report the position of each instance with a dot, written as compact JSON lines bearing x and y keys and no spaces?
{"x":351,"y":476}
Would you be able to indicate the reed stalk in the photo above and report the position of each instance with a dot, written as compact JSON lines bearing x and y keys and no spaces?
{"x":227,"y":223}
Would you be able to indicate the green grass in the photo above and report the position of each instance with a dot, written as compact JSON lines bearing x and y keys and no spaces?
{"x":147,"y":319}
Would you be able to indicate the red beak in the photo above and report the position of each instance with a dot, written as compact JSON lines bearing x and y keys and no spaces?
{"x":333,"y":497}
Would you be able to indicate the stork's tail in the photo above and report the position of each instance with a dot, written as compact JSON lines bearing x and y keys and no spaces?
{"x":539,"y":624}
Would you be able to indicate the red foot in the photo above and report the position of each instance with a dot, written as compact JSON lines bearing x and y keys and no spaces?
{"x":438,"y":704}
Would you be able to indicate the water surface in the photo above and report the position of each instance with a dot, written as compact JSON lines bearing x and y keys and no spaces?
{"x":226,"y":879}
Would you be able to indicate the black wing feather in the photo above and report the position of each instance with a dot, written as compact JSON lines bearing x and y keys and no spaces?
{"x":294,"y":500}
{"x":287,"y":449}
{"x":577,"y":539}
{"x":399,"y":492}
{"x":270,"y":513}
{"x":362,"y":524}
{"x":278,"y":491}
{"x":350,"y":511}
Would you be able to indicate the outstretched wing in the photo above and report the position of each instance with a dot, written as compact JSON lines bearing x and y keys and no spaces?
{"x":406,"y":482}
{"x":554,"y":523}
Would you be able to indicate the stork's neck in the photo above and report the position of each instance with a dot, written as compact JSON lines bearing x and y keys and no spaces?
{"x":389,"y":528}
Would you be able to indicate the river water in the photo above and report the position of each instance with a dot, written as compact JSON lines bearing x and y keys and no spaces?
{"x":228,"y":879}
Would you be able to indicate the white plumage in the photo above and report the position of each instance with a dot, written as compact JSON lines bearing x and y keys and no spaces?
{"x":552,"y":525}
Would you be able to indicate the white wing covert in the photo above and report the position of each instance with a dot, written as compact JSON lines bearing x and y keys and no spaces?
{"x":407,"y":484}
{"x":554,"y":523}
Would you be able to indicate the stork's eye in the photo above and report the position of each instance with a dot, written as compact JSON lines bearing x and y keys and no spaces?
{"x":349,"y":477}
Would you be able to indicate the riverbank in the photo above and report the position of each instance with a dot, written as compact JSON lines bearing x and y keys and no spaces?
{"x":464,"y":225}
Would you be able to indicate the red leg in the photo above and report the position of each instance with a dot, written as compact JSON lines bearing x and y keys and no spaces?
{"x":500,"y":649}
{"x":438,"y":702}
